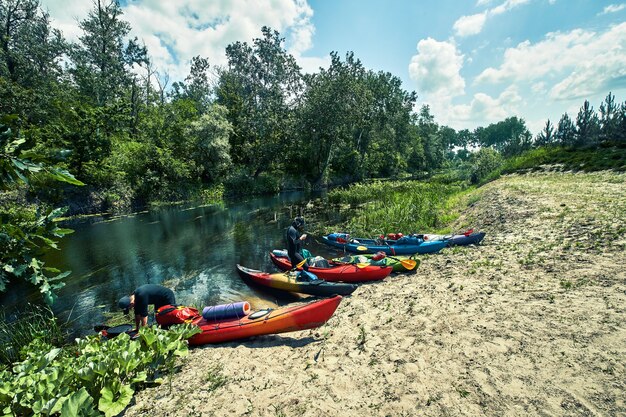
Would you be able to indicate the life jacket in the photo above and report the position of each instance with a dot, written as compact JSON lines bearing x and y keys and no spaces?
{"x":168,"y":315}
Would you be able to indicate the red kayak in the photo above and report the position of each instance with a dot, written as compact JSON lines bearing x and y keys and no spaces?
{"x":281,"y":320}
{"x":339,"y":272}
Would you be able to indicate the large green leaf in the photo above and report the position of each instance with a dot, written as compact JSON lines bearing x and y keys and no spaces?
{"x":78,"y":404}
{"x":115,"y":398}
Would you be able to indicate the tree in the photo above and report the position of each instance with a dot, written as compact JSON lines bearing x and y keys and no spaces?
{"x":609,"y":119}
{"x":22,"y":237}
{"x":566,"y":131}
{"x":547,"y":136}
{"x":103,"y":58}
{"x":197,"y":86}
{"x":510,"y":136}
{"x":209,"y":146}
{"x":587,"y":126}
{"x":259,"y":88}
{"x":30,"y":56}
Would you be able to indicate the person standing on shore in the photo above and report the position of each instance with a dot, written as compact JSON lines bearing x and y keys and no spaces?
{"x":295,"y":241}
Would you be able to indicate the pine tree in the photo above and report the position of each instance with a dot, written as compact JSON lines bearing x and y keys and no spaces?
{"x":547,"y":136}
{"x":587,"y":126}
{"x":566,"y":131}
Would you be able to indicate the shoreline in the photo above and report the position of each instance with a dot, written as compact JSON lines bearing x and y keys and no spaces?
{"x":529,"y":322}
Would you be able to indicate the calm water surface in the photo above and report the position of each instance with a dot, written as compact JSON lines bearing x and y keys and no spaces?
{"x":193,"y":251}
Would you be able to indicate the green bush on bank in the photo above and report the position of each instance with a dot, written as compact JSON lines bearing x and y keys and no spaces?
{"x":241,"y":183}
{"x":91,"y":377}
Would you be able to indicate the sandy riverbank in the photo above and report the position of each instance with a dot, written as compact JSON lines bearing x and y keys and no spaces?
{"x":530,"y":322}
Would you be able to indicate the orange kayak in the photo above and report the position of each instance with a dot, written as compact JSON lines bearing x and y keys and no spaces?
{"x":280,"y":320}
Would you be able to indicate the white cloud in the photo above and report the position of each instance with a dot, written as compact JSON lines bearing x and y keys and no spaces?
{"x":482,"y":109}
{"x":176,"y":31}
{"x":470,"y":25}
{"x":613,"y":8}
{"x":578,"y":63}
{"x":473,"y":24}
{"x":436,"y":68}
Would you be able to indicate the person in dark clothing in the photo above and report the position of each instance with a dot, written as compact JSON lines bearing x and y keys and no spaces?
{"x":295,"y":241}
{"x":142,"y":297}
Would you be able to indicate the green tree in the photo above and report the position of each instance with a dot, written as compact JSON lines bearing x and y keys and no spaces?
{"x":547,"y":136}
{"x":587,"y":126}
{"x":609,"y":119}
{"x":197,"y":86}
{"x":30,"y":56}
{"x":566,"y":131}
{"x":259,"y":88}
{"x":103,"y":58}
{"x":209,"y":146}
{"x":510,"y":136}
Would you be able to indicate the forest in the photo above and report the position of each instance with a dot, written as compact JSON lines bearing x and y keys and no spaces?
{"x":94,"y":126}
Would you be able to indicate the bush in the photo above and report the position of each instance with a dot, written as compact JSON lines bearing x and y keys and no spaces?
{"x":484,"y":162}
{"x":92,"y":376}
{"x":241,"y":183}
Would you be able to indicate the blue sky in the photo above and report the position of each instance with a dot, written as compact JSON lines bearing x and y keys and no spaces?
{"x":474,"y":62}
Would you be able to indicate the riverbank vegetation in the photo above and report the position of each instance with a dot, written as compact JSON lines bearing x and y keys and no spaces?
{"x":89,"y":377}
{"x":258,"y":124}
{"x":99,"y":109}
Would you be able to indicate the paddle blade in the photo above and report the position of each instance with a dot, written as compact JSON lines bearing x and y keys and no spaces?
{"x":300,"y":264}
{"x":361,"y":248}
{"x":362,"y":265}
{"x":409,"y":264}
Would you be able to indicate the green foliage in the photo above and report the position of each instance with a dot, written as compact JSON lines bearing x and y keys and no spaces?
{"x":241,"y":183}
{"x":208,"y":143}
{"x":23,"y":239}
{"x":32,"y":323}
{"x":258,"y":88}
{"x":384,"y":207}
{"x":484,"y":162}
{"x":92,"y":377}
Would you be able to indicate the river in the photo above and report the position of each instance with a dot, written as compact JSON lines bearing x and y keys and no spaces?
{"x":192,"y":250}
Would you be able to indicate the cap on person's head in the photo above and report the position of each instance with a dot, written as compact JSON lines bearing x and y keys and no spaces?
{"x":124,"y":304}
{"x":299,"y":221}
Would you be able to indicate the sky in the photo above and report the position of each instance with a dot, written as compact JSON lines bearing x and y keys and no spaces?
{"x":474,"y":62}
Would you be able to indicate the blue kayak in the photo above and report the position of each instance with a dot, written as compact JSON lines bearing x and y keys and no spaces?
{"x":388,"y":246}
{"x":457,"y":240}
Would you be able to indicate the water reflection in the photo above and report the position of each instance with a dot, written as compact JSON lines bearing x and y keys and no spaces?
{"x":192,"y":250}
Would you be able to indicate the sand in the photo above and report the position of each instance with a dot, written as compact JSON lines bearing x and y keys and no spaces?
{"x":531,"y":322}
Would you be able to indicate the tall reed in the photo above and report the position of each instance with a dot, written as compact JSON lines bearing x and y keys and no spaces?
{"x":21,"y":328}
{"x":398,"y":206}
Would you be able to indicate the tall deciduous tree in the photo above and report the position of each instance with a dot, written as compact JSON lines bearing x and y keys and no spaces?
{"x":104,"y":56}
{"x":208,"y":143}
{"x":259,"y":88}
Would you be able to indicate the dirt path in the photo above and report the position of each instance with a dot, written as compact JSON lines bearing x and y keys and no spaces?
{"x":530,"y":322}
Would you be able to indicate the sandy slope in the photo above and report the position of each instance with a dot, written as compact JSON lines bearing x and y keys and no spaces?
{"x":530,"y":322}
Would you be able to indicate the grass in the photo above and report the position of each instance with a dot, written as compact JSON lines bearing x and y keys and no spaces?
{"x":214,"y":379}
{"x":394,"y":206}
{"x":34,"y":322}
{"x":606,"y":157}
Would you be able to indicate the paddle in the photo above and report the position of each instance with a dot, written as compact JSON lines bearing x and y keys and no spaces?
{"x":409,"y":264}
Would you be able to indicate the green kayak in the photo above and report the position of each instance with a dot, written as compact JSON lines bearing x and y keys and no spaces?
{"x":399,"y":263}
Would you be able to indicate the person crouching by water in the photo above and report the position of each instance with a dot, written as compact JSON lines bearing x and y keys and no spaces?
{"x":142,"y":297}
{"x":295,"y":241}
